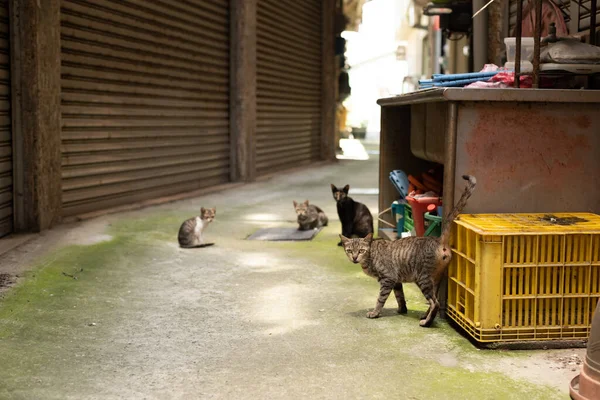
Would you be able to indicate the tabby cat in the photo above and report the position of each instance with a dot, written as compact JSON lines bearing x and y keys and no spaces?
{"x":309,"y":216}
{"x":191,"y":231}
{"x":355,"y":217}
{"x":421,"y":260}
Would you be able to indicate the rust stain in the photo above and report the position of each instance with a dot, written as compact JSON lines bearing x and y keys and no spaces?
{"x":527,"y":145}
{"x":583,"y":122}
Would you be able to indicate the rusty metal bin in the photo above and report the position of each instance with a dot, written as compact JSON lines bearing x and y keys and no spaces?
{"x":586,"y":385}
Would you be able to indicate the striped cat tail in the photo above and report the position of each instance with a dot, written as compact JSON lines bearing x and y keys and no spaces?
{"x":462,"y":202}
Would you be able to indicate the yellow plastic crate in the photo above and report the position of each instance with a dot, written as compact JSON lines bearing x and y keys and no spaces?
{"x":523,"y":277}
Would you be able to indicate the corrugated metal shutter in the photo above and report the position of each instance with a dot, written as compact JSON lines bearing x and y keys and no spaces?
{"x":288,"y":83}
{"x":6,"y":164}
{"x":145,"y":99}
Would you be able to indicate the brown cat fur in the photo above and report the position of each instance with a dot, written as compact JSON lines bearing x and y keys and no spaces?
{"x":309,"y":216}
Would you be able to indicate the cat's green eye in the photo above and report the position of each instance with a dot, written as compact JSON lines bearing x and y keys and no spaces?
{"x":349,"y":251}
{"x":361,"y":251}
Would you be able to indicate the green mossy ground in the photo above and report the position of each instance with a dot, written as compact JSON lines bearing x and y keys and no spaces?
{"x":113,"y":332}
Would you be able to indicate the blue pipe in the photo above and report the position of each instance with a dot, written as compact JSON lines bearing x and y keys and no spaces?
{"x":470,"y":75}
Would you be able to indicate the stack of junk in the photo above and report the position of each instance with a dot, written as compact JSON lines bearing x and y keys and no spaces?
{"x":418,"y":211}
{"x":561,"y":59}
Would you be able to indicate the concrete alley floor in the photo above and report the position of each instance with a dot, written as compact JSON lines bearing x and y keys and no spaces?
{"x":145,"y":319}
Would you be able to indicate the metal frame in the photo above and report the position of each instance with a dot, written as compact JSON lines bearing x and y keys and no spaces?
{"x":538,"y":32}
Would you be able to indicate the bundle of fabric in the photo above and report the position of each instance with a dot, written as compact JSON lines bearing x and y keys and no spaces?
{"x":570,"y":51}
{"x":504,"y":79}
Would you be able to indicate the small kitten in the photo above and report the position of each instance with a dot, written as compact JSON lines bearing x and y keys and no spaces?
{"x":355,"y":217}
{"x":421,"y":260}
{"x":310,"y":216}
{"x":190,"y":233}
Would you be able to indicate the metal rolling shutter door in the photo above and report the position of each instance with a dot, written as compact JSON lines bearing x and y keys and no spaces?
{"x":145,"y":100}
{"x":6,"y":164}
{"x":288,"y":83}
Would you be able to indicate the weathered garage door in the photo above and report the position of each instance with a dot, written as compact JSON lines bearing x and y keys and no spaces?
{"x":145,"y":99}
{"x":288,"y":83}
{"x":6,"y":176}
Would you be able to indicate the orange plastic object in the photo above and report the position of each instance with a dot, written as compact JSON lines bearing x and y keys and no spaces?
{"x":431,"y":184}
{"x":416,"y":183}
{"x":419,"y":208}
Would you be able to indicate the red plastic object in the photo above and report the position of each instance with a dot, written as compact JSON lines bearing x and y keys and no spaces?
{"x":419,"y":208}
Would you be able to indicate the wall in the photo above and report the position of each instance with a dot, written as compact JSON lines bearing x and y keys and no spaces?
{"x":375,"y":70}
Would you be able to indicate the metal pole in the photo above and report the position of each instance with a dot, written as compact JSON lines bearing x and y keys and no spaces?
{"x":574,"y":11}
{"x":536,"y":43}
{"x":480,"y":35}
{"x":449,"y":183}
{"x":518,"y":43}
{"x":437,"y":52}
{"x":450,"y":158}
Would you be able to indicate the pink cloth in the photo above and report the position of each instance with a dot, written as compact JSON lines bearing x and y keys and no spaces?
{"x":487,"y":85}
{"x":506,"y":79}
{"x":501,"y":80}
{"x":490,"y":68}
{"x":550,"y":13}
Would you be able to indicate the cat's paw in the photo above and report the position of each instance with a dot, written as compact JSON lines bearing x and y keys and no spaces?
{"x":373,"y":314}
{"x":425,"y":323}
{"x":402,"y":309}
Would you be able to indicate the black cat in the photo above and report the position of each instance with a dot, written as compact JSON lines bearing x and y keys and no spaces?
{"x":355,"y":217}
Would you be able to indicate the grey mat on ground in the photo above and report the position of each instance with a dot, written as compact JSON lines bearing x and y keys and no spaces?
{"x":198,"y":246}
{"x":281,"y":234}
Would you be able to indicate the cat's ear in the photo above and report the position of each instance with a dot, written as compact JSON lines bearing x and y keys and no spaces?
{"x":214,"y":210}
{"x":346,"y":189}
{"x":306,"y":203}
{"x":344,"y":239}
{"x":295,"y":204}
{"x":202,"y":210}
{"x":333,"y":188}
{"x":369,"y":237}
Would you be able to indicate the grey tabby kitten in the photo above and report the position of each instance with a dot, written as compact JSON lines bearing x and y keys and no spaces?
{"x":309,"y":216}
{"x":421,"y":260}
{"x":190,"y":232}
